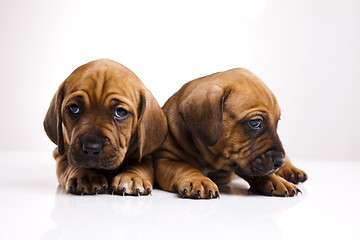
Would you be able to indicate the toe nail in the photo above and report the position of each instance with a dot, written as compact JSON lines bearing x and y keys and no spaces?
{"x":149,"y":191}
{"x":138,"y":192}
{"x":70,"y":189}
{"x":210,"y":194}
{"x":197,"y":194}
{"x":82,"y":191}
{"x":217,"y":194}
{"x":183,"y":193}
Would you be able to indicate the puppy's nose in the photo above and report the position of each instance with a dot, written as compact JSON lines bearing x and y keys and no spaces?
{"x":279,"y":161}
{"x":91,"y":149}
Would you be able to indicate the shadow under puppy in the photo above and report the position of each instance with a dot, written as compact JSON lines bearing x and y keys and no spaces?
{"x":105,"y":124}
{"x":221,"y":125}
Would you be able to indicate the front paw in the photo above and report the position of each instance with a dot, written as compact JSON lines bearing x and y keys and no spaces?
{"x":130,"y":184}
{"x":273,"y":185}
{"x":292,"y":174}
{"x":197,"y":187}
{"x":86,"y":181}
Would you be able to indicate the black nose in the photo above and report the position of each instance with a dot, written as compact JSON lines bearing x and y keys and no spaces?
{"x":91,"y":149}
{"x":279,"y":161}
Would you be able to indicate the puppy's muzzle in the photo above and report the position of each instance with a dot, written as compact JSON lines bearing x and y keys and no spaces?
{"x":271,"y":160}
{"x":268,"y":162}
{"x":93,"y":151}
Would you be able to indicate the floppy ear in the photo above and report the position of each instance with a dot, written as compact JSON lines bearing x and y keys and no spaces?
{"x":152,"y":125}
{"x":202,"y":112}
{"x":53,"y":120}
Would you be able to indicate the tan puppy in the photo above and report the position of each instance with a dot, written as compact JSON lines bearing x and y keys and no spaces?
{"x":105,"y":124}
{"x":221,"y":125}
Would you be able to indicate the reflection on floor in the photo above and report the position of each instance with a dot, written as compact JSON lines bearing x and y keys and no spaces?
{"x":33,"y":206}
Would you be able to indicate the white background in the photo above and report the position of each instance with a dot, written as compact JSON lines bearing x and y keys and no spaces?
{"x":307,"y":52}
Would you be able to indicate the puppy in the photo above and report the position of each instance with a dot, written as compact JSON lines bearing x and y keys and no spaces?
{"x":105,"y":124}
{"x":221,"y":125}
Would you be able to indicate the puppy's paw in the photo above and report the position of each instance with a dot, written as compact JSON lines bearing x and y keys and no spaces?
{"x":292,"y":174}
{"x":86,"y":181}
{"x":273,"y":185}
{"x":130,"y":184}
{"x":197,"y":188}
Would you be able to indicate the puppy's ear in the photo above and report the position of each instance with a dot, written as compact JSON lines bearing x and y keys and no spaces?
{"x":152,"y":125}
{"x":202,"y":112}
{"x":53,"y":120}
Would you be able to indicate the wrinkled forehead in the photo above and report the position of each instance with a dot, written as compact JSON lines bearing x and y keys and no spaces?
{"x":102,"y":85}
{"x":250,"y":94}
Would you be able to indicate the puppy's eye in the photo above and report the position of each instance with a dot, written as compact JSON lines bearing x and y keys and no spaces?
{"x":74,"y":108}
{"x":120,"y":113}
{"x":255,"y":123}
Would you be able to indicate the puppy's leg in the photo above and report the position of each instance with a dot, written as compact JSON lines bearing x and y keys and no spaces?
{"x":181,"y":177}
{"x":79,"y":180}
{"x":271,"y":185}
{"x":136,"y":179}
{"x":291,"y":173}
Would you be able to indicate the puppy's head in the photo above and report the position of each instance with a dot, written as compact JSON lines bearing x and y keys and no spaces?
{"x":236,"y":116}
{"x":101,"y":113}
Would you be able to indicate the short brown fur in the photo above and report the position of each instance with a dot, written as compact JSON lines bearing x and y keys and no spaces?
{"x":210,"y":140}
{"x":98,"y":88}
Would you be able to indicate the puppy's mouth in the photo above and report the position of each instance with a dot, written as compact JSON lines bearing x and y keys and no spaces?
{"x":107,"y":163}
{"x":265,"y":164}
{"x":95,"y":150}
{"x":107,"y":158}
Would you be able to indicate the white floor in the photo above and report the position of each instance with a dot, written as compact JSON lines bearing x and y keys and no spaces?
{"x":32,"y":206}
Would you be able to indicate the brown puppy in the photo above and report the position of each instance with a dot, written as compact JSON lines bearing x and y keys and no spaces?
{"x":221,"y":125}
{"x":105,"y":124}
